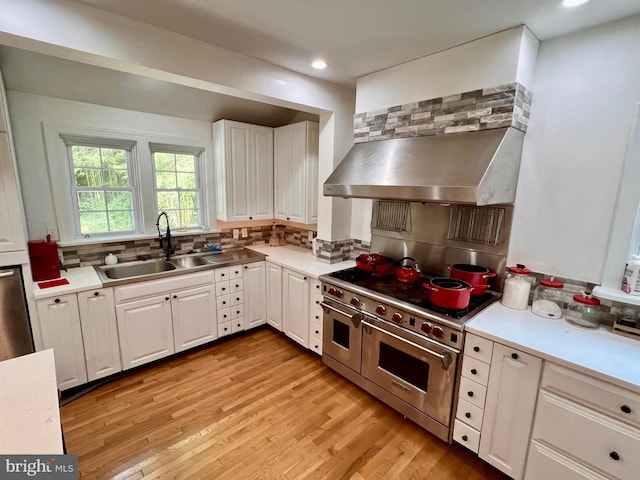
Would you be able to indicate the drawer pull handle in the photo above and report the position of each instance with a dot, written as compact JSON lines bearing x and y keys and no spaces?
{"x":470,"y":393}
{"x":166,"y":298}
{"x":96,"y":293}
{"x":514,"y":356}
{"x":625,"y":408}
{"x":474,"y":371}
{"x":464,"y":438}
{"x":476,"y":349}
{"x":317,"y":332}
{"x":468,"y":415}
{"x":57,"y":300}
{"x":615,"y":456}
{"x":304,"y":278}
{"x":175,"y":296}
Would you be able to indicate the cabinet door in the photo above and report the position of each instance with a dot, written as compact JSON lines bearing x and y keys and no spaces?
{"x":311,"y":175}
{"x":298,"y":173}
{"x":60,"y":330}
{"x":274,"y":295}
{"x":238,"y":144}
{"x":282,"y":138}
{"x":295,"y":306}
{"x":99,"y":333}
{"x":11,"y":230}
{"x":255,"y":295}
{"x":194,"y":317}
{"x":261,"y":173}
{"x":508,"y":415}
{"x":145,"y":330}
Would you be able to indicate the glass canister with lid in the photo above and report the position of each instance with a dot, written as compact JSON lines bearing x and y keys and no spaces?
{"x":548,"y":299}
{"x":517,"y":286}
{"x":584,"y":311}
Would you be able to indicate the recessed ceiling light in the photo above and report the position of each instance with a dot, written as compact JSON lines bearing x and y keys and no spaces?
{"x":573,"y":3}
{"x":319,"y":64}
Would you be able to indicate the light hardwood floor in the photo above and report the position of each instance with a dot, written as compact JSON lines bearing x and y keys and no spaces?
{"x":252,"y":407}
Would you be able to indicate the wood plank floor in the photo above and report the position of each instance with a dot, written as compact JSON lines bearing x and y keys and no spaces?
{"x":252,"y":407}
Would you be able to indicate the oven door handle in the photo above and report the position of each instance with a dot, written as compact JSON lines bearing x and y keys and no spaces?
{"x":444,"y":357}
{"x":356,"y":318}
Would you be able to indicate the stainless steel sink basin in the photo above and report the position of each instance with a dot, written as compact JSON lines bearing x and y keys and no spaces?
{"x":189,"y":262}
{"x":126,"y":271}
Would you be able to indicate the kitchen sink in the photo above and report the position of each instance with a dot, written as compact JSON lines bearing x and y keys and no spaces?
{"x":147,"y":268}
{"x":189,"y":262}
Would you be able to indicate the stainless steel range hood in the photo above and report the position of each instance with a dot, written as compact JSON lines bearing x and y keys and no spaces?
{"x":478,"y":168}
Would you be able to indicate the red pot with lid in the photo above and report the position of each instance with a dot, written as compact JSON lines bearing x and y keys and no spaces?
{"x":473,"y":274}
{"x":375,"y":263}
{"x":449,"y":293}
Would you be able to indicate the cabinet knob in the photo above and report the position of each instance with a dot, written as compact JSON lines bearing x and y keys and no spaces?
{"x":625,"y":408}
{"x":473,"y":371}
{"x":225,"y":329}
{"x":222,"y":274}
{"x":96,"y":294}
{"x":175,"y":296}
{"x":304,"y":278}
{"x":318,"y":318}
{"x":287,"y":218}
{"x":317,"y":346}
{"x":614,"y":456}
{"x":470,"y":393}
{"x":514,"y":356}
{"x":317,"y":332}
{"x":317,"y":286}
{"x":224,"y":316}
{"x":464,"y":438}
{"x":166,"y":298}
{"x":238,"y":312}
{"x":250,"y":218}
{"x":237,"y":285}
{"x":57,"y":300}
{"x":476,"y":349}
{"x":245,"y":267}
{"x":468,"y":414}
{"x":237,"y":299}
{"x":223,"y":288}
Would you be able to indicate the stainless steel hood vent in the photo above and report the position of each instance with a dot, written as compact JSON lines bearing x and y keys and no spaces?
{"x":478,"y":168}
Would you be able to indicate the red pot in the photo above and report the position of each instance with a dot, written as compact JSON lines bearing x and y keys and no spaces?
{"x":373,"y":262}
{"x":473,"y":274}
{"x":449,"y":293}
{"x":408,"y":274}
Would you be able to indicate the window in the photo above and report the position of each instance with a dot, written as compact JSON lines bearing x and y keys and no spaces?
{"x":102,"y":189}
{"x":178,"y":185}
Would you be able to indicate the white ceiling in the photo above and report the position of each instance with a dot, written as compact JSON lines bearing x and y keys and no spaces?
{"x":358,"y":37}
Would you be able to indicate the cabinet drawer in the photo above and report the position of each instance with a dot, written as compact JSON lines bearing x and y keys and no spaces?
{"x":222,"y":288}
{"x":545,"y":462}
{"x":478,"y":347}
{"x":237,"y":325}
{"x":475,"y":370}
{"x":224,"y":315}
{"x":469,"y":413}
{"x":316,"y":314}
{"x":466,"y":436}
{"x":140,"y":290}
{"x":224,"y":329}
{"x":589,"y":436}
{"x":223,"y":301}
{"x":237,"y":311}
{"x":221,"y":274}
{"x":316,"y":286}
{"x":619,"y":402}
{"x":316,"y":345}
{"x":315,"y":300}
{"x":237,"y":298}
{"x":472,"y":392}
{"x":236,"y":285}
{"x":235,"y":272}
{"x":316,"y":329}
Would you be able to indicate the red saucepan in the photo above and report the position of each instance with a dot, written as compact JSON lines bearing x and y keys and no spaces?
{"x":449,"y":293}
{"x":473,"y":274}
{"x":407,"y":271}
{"x":375,"y":263}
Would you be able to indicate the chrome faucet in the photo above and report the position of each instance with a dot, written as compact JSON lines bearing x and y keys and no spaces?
{"x":166,"y":246}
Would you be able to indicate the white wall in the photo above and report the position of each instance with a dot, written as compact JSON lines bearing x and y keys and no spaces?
{"x":486,"y":62}
{"x":585,"y":93}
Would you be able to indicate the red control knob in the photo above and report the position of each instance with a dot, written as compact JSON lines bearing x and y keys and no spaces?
{"x":381,"y":310}
{"x":332,"y":291}
{"x":339,"y":293}
{"x":426,"y":327}
{"x":397,"y":317}
{"x":437,"y":332}
{"x":355,"y":301}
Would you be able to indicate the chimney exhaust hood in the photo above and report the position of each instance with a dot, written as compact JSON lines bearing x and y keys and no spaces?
{"x":479,"y":168}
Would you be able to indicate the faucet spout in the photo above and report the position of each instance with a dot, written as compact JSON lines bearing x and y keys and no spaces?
{"x":166,"y":244}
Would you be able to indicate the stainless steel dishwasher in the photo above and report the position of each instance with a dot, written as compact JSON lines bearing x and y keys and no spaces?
{"x":15,"y":331}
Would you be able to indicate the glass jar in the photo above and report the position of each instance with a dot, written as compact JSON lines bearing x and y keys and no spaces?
{"x":548,"y":299}
{"x":584,"y":311}
{"x":517,"y":286}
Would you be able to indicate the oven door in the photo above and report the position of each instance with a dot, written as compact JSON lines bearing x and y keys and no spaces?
{"x":411,"y":367}
{"x":342,"y":334}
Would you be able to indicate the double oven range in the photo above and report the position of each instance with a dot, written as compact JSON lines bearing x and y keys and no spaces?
{"x":387,"y":338}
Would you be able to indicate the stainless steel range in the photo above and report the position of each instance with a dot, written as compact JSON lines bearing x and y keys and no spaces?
{"x":386,"y":336}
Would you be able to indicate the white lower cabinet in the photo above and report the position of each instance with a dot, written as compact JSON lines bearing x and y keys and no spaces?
{"x":145,"y":330}
{"x":194,"y":317}
{"x":274,"y":295}
{"x":545,"y":463}
{"x":255,"y":294}
{"x":295,"y":306}
{"x":315,"y":316}
{"x":59,"y":320}
{"x":99,"y":333}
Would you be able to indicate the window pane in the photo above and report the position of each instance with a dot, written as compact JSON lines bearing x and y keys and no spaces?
{"x":165,"y":180}
{"x":85,"y":156}
{"x":91,"y":201}
{"x":185,"y":163}
{"x":114,"y":158}
{"x":121,"y":221}
{"x":164,"y":161}
{"x":167,"y":201}
{"x":89,"y":177}
{"x":119,"y":200}
{"x":189,"y":218}
{"x":186,"y":180}
{"x":93,"y":222}
{"x":116,"y":178}
{"x":188,"y":200}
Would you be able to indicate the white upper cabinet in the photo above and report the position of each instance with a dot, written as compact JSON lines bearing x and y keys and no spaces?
{"x":243,"y":160}
{"x":296,"y":172}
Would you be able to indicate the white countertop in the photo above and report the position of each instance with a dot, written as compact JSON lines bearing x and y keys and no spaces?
{"x":299,"y":259}
{"x":598,"y":352}
{"x":80,"y":278}
{"x":29,"y":411}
